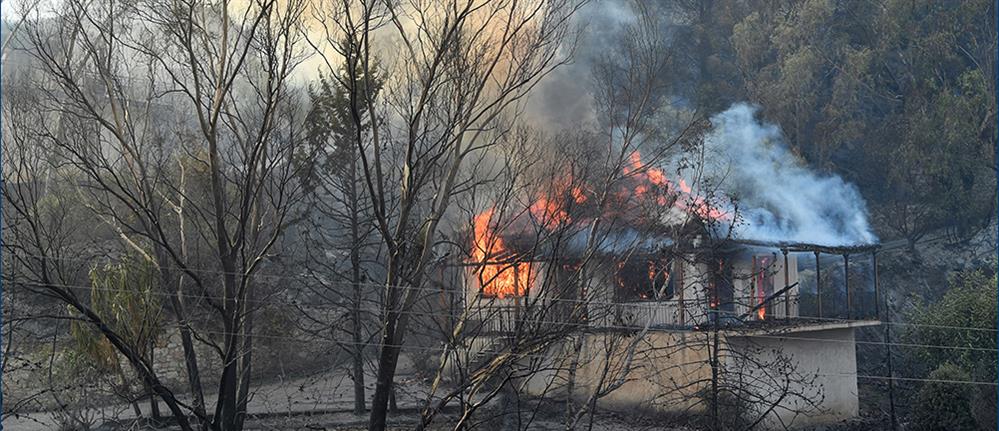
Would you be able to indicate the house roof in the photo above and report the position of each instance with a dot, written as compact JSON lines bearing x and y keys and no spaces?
{"x":802,"y":246}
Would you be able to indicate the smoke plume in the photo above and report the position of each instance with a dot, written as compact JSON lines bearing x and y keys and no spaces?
{"x":778,"y":197}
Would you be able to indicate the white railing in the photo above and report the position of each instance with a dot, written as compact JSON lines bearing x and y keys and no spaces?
{"x":653,"y":314}
{"x":494,"y":319}
{"x":780,"y":307}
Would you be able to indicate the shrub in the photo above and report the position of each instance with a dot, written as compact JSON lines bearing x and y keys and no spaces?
{"x":942,"y":405}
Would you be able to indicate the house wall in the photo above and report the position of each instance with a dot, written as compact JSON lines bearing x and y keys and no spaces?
{"x":669,"y":372}
{"x":827,"y":356}
{"x":690,"y":296}
{"x":687,"y":307}
{"x":663,"y":373}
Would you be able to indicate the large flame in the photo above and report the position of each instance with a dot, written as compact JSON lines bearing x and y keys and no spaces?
{"x":500,"y":280}
{"x":686,"y":198}
{"x":501,"y":276}
{"x":552,"y":209}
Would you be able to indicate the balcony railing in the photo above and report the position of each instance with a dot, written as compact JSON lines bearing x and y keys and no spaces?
{"x":670,"y":314}
{"x":493,"y":319}
{"x":651,"y":314}
{"x":827,"y":287}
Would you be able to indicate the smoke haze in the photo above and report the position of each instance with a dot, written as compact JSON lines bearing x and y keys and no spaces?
{"x":779,"y":198}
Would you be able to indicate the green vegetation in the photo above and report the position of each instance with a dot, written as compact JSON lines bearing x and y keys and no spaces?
{"x":970,"y":303}
{"x":898,"y":96}
{"x":123,"y":295}
{"x":943,"y":405}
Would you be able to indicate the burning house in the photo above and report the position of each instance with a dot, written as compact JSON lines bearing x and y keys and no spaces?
{"x":670,"y":305}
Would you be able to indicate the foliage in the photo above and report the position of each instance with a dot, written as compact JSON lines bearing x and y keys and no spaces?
{"x":124,"y":296}
{"x":942,"y":405}
{"x":898,"y":97}
{"x":330,"y":128}
{"x":969,"y":303}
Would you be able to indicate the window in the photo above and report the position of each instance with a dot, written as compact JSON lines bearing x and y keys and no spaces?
{"x":764,"y":268}
{"x":644,"y":280}
{"x":721,"y":282}
{"x":504,"y":280}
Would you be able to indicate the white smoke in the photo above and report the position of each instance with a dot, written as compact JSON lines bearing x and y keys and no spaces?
{"x":779,"y":198}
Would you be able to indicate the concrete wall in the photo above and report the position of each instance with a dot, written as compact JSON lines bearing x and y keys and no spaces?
{"x":826,"y":362}
{"x":668,"y":370}
{"x":663,"y":373}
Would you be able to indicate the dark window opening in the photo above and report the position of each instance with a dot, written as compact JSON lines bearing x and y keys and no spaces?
{"x":723,"y":289}
{"x":764,"y":268}
{"x":644,"y":280}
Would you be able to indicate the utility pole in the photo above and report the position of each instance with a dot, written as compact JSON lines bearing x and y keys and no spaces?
{"x":714,"y":356}
{"x":891,"y":376}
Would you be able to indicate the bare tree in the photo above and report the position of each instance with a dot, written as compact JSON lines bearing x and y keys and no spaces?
{"x":341,"y":224}
{"x":459,"y":67}
{"x":629,"y":91}
{"x":175,"y":127}
{"x":115,"y":73}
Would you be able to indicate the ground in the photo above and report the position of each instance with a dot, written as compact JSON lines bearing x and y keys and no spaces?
{"x":323,"y":402}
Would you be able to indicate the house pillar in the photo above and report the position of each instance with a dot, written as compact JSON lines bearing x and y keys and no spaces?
{"x":846,"y":280}
{"x":680,"y":287}
{"x":877,"y":300}
{"x":787,"y":291}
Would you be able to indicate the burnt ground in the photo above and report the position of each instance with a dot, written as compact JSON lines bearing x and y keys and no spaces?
{"x":544,"y":421}
{"x":323,"y":401}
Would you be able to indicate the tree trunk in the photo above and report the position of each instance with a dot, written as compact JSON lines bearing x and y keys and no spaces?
{"x":227,"y":405}
{"x":571,"y":384}
{"x":715,"y":419}
{"x":186,"y":339}
{"x":355,"y":265}
{"x":359,"y":401}
{"x":125,"y":389}
{"x":396,"y":298}
{"x":393,"y":405}
{"x":387,"y":361}
{"x":246,"y":362}
{"x":193,"y":372}
{"x":154,"y":405}
{"x":510,"y":406}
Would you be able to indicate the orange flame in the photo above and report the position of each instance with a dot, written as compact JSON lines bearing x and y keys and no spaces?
{"x":687,"y":199}
{"x":761,"y":293}
{"x":551,"y":209}
{"x":498,"y":280}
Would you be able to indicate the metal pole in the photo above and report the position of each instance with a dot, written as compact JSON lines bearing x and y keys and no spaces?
{"x":752,"y":287}
{"x":787,"y":292}
{"x":877,"y":299}
{"x":846,"y":280}
{"x":818,"y":283}
{"x":680,"y":287}
{"x":891,"y":372}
